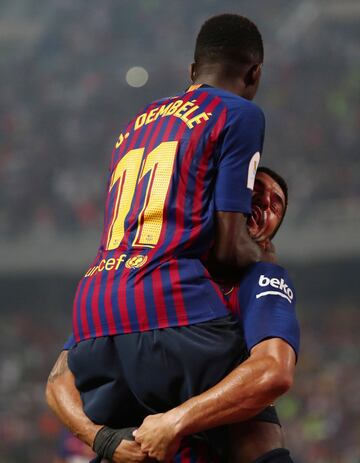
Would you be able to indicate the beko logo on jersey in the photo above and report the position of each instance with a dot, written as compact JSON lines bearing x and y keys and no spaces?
{"x":276,"y":283}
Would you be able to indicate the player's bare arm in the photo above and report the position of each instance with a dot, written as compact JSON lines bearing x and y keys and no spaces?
{"x":65,"y":401}
{"x":234,"y":250}
{"x":251,"y":439}
{"x":241,"y":240}
{"x":247,"y":390}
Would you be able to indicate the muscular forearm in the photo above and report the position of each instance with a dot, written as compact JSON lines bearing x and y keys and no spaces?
{"x":66,"y":402}
{"x":246,"y":391}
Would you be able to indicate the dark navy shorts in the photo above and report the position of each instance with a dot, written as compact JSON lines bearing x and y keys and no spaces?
{"x":124,"y":378}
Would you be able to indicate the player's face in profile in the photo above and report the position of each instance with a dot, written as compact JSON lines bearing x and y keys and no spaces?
{"x":268,"y":207}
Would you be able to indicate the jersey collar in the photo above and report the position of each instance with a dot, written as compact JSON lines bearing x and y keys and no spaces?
{"x":197,"y":86}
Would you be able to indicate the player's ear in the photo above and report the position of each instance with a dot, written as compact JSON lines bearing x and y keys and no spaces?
{"x":192,"y":72}
{"x":253,"y":75}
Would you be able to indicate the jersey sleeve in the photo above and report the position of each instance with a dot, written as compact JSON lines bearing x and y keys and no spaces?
{"x":238,"y":159}
{"x":70,"y":343}
{"x":267,"y":306}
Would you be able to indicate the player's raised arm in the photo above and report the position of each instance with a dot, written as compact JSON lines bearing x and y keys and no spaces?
{"x":239,"y":156}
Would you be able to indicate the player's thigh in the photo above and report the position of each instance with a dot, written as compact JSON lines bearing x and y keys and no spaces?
{"x":166,"y":367}
{"x":107,"y":398}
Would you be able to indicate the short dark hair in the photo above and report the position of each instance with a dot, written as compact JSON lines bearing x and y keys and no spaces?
{"x":282,"y":184}
{"x":229,"y":39}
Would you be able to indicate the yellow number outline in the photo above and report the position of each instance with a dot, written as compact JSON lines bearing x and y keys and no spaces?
{"x":128,"y":173}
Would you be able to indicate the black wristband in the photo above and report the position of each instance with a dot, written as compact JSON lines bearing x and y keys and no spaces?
{"x":107,"y":440}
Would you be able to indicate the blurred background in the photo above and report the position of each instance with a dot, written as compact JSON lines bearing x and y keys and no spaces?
{"x":71,"y":74}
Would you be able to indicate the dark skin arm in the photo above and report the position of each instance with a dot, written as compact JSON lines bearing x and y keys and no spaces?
{"x":233,"y":250}
{"x":252,"y":439}
{"x":65,"y":401}
{"x":242,"y":394}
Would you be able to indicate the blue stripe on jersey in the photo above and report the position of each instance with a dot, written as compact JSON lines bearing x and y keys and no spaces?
{"x":115,"y":303}
{"x":149,"y":299}
{"x":78,"y":309}
{"x":130,"y":302}
{"x":101,"y":299}
{"x":89,"y":306}
{"x":170,"y":303}
{"x":117,"y":298}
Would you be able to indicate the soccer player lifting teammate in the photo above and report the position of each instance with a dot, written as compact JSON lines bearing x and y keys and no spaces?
{"x":149,"y":316}
{"x":267,"y":314}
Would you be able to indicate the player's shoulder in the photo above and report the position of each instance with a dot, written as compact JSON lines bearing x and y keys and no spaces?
{"x":237,"y":106}
{"x":266,"y":267}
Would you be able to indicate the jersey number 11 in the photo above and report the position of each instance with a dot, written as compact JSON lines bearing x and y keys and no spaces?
{"x":127,"y":175}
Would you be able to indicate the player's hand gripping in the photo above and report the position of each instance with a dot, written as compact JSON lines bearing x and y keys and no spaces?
{"x":158,"y":436}
{"x":129,"y":452}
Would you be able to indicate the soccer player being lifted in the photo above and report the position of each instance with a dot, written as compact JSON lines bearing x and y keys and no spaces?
{"x":151,"y":327}
{"x":267,"y":317}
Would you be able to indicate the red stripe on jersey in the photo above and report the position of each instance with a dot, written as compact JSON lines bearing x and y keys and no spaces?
{"x":83,"y":314}
{"x":160,"y":305}
{"x":149,"y":147}
{"x":202,"y":170}
{"x":127,"y":146}
{"x":156,"y":282}
{"x":174,"y":274}
{"x":180,"y":210}
{"x":121,"y":290}
{"x":75,"y":318}
{"x":107,"y":205}
{"x":121,"y":297}
{"x":107,"y":302}
{"x":200,"y":178}
{"x":94,"y":304}
{"x":84,"y":295}
{"x":140,"y":304}
{"x":139,"y":298}
{"x":186,"y":164}
{"x":179,"y":303}
{"x":116,"y":207}
{"x":178,"y":135}
{"x":147,"y":198}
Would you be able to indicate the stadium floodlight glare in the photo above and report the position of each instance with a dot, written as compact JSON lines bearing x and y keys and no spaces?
{"x":137,"y":76}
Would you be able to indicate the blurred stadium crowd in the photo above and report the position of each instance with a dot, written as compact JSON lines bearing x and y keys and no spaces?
{"x":63,"y":100}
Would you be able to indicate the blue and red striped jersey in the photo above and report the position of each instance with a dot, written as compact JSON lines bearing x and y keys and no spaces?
{"x":264,"y":302}
{"x":176,"y":163}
